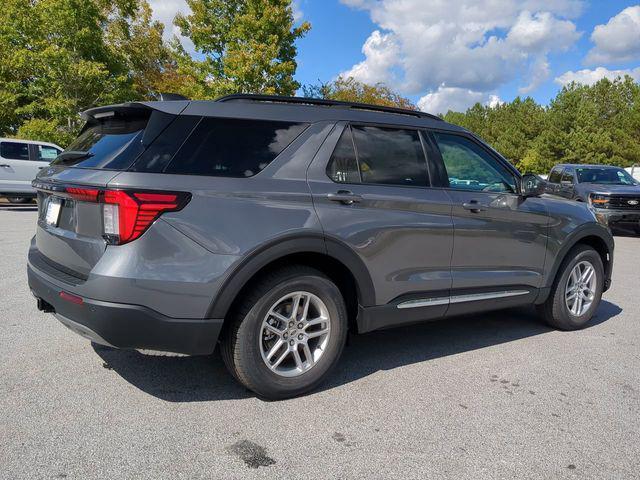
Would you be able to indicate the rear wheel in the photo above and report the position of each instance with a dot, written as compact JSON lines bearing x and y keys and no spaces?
{"x":287,"y":334}
{"x":577,"y":290}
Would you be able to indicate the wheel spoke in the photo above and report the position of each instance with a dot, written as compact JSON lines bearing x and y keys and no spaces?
{"x":317,"y":333}
{"x":316,"y":321}
{"x":588,"y":274}
{"x":305,"y":308}
{"x":298,"y":360}
{"x":274,"y":330}
{"x":274,"y":349}
{"x":294,"y":307}
{"x":307,"y":354}
{"x":280,"y":359}
{"x":278,"y":316}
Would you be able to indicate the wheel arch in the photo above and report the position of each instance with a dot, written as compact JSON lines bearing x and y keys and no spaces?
{"x":594,"y":236}
{"x":336,"y":260}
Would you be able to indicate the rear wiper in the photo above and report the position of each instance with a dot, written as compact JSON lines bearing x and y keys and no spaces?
{"x":74,"y":155}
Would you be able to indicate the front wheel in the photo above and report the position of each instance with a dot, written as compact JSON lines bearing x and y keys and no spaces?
{"x":287,"y":334}
{"x":577,"y":290}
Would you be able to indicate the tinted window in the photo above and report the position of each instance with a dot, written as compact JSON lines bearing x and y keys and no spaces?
{"x":567,"y":175}
{"x":47,"y":153}
{"x":14,"y":151}
{"x":161,"y":151}
{"x":555,"y":175}
{"x":612,"y":176}
{"x":343,"y":166}
{"x":390,"y":156}
{"x":111,"y":144}
{"x":469,"y":167}
{"x":233,"y":148}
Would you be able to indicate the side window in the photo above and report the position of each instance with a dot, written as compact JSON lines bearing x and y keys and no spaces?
{"x":224,"y":147}
{"x":554,"y":176}
{"x":14,"y":151}
{"x":567,"y":175}
{"x":390,"y":156}
{"x":343,"y":166}
{"x":469,"y":167}
{"x":47,"y":153}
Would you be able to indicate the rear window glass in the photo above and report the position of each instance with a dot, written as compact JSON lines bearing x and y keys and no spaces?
{"x":110,"y":144}
{"x":14,"y":151}
{"x":390,"y":156}
{"x":343,"y":166}
{"x":232,"y":147}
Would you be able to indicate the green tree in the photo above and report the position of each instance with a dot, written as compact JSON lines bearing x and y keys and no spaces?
{"x":350,"y":90}
{"x":249,"y":46}
{"x":83,"y":53}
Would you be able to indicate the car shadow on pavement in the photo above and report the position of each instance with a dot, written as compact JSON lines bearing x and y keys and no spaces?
{"x":204,"y":378}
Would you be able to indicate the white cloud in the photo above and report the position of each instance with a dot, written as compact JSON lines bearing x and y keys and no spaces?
{"x":540,"y":71}
{"x":589,"y":77}
{"x":542,"y":32}
{"x":471,"y":45}
{"x":618,"y":40}
{"x":381,"y":53}
{"x":456,"y":99}
{"x":165,"y":11}
{"x":298,"y":14}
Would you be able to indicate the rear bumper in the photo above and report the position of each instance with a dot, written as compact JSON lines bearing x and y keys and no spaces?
{"x":123,"y":325}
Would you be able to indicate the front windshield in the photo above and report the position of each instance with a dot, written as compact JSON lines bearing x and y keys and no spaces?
{"x":608,"y":176}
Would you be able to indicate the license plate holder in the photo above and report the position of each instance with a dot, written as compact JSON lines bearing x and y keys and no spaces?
{"x":52,"y":215}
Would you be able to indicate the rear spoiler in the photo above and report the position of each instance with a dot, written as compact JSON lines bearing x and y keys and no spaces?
{"x":135,"y":108}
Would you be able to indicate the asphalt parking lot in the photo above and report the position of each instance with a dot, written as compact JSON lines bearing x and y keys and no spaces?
{"x":497,"y":395}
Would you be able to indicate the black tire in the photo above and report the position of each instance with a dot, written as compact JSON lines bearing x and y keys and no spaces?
{"x":19,"y":199}
{"x":555,"y":310}
{"x":240,"y":345}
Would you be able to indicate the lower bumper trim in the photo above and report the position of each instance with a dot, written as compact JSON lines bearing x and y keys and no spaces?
{"x":127,"y":326}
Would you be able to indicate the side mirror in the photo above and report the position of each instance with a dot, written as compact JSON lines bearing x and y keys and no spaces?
{"x":532,"y":185}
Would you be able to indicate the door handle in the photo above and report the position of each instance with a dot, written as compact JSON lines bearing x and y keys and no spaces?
{"x":345,"y":197}
{"x":5,"y":165}
{"x":474,"y":206}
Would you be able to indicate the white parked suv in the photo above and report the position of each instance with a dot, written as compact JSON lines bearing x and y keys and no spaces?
{"x":20,"y":161}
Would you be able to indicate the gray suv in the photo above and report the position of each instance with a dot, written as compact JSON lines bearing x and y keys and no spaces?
{"x":613,"y":194}
{"x":273,"y":226}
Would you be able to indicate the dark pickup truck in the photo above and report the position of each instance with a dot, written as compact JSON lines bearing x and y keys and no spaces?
{"x":611,"y":191}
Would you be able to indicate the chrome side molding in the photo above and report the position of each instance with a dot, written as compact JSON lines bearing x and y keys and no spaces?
{"x":471,"y":297}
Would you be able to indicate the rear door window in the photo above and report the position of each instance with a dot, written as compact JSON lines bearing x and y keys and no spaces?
{"x":390,"y":156}
{"x":233,"y":147}
{"x":14,"y":150}
{"x":343,"y":165}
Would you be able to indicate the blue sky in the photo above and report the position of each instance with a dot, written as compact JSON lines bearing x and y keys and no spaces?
{"x":447,"y":55}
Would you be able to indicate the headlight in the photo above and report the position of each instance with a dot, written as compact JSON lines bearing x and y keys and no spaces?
{"x":598,"y":200}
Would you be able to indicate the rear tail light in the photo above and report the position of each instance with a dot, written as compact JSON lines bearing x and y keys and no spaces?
{"x":127,"y":214}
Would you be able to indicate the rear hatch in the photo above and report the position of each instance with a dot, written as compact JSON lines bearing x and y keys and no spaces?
{"x":78,"y":216}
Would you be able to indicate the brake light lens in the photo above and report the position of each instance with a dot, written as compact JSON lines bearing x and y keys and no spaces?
{"x":127,"y":215}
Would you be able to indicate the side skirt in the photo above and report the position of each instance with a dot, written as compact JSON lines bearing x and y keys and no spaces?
{"x":427,"y":306}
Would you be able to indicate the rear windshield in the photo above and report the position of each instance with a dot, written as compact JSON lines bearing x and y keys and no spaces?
{"x":110,"y":144}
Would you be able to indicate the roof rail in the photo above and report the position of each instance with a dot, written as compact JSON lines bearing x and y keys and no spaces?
{"x":325,"y":103}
